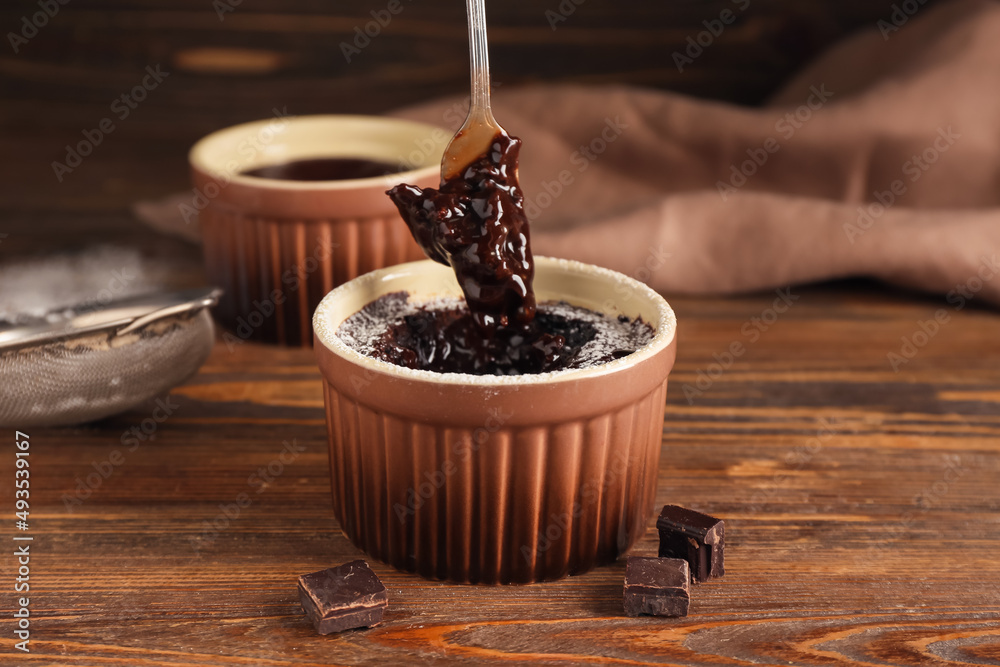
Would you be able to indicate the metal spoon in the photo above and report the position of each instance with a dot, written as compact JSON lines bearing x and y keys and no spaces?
{"x":473,"y":139}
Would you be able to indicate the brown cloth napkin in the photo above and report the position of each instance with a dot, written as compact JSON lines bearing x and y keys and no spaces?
{"x":880,"y":159}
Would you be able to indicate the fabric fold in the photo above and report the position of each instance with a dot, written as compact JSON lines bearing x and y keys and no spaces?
{"x":880,"y":159}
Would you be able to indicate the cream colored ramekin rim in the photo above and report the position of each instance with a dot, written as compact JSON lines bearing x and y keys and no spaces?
{"x":197,"y":160}
{"x":663,"y":337}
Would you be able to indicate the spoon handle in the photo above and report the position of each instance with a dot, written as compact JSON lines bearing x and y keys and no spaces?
{"x":479,"y":56}
{"x":476,"y":135}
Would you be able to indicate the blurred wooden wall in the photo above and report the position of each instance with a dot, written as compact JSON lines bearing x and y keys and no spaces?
{"x":234,"y":60}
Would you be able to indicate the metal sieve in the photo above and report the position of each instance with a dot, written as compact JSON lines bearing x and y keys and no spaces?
{"x":74,"y":366}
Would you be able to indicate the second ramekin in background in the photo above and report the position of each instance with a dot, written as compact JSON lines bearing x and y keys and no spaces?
{"x":277,"y":246}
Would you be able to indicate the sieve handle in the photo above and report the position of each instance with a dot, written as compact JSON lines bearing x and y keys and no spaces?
{"x":119,"y":317}
{"x":205,"y":301}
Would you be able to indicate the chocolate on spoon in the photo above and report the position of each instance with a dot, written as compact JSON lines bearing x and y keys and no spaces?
{"x":476,"y":224}
{"x":475,"y":221}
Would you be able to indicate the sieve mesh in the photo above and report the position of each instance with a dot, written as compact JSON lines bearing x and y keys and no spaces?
{"x":97,"y":375}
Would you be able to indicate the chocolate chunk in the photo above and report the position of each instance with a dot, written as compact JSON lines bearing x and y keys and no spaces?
{"x":342,"y":598}
{"x":697,"y":538}
{"x":657,"y":586}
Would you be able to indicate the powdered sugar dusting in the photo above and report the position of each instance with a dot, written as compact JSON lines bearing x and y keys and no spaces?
{"x":613,"y":333}
{"x":35,"y":288}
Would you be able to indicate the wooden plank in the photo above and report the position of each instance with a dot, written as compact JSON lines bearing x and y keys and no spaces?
{"x":861,"y":507}
{"x":862,"y":502}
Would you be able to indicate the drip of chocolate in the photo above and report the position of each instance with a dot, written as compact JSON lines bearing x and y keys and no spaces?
{"x":475,"y":223}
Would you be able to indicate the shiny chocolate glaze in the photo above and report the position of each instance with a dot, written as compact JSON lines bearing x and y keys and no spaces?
{"x":444,"y":338}
{"x":476,"y":224}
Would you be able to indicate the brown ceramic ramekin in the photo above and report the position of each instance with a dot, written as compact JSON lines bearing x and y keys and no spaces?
{"x":277,"y":247}
{"x":486,"y":479}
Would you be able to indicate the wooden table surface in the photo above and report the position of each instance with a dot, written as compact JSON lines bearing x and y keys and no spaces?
{"x":862,"y":510}
{"x":862,"y":504}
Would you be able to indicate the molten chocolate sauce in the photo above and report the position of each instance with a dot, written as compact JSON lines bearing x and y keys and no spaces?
{"x":476,"y":224}
{"x":325,"y":169}
{"x":443,"y":337}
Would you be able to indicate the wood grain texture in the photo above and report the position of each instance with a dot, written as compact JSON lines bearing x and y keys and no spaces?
{"x":862,"y":504}
{"x":862,"y":510}
{"x":268,"y":54}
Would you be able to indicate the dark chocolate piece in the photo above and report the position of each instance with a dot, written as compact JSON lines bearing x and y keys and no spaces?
{"x":657,"y":586}
{"x":342,"y":598}
{"x":325,"y":169}
{"x":476,"y":224}
{"x":697,"y":538}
